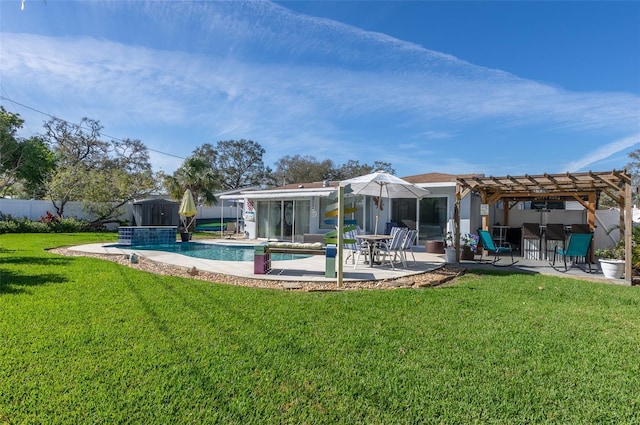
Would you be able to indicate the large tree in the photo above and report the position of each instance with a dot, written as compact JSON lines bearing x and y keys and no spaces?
{"x":38,"y":162}
{"x":302,"y":169}
{"x":239,"y":164}
{"x":24,"y":163}
{"x":230,"y":164}
{"x":103,"y":175}
{"x":633,"y":168}
{"x":78,"y":150}
{"x":353,"y":168}
{"x":305,"y":169}
{"x":122,"y":176}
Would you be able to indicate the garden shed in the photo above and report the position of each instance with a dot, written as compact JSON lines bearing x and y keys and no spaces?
{"x":155,"y":212}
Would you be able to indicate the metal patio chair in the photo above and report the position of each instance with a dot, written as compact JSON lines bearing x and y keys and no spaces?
{"x":578,"y":246}
{"x":387,"y":249}
{"x":488,"y":244}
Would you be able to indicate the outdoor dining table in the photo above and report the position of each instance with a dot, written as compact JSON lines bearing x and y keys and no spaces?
{"x":373,"y":242}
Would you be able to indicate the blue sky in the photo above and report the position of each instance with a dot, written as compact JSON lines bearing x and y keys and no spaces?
{"x":456,"y":87}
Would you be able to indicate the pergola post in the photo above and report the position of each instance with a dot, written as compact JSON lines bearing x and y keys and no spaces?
{"x":628,"y":230}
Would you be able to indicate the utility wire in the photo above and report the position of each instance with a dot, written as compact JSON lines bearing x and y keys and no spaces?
{"x":79,"y":126}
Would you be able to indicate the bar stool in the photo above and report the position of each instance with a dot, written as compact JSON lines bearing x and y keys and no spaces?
{"x":554,"y":232}
{"x":580,"y":228}
{"x":531,"y":241}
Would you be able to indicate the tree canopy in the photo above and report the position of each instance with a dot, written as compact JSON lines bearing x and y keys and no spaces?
{"x":198,"y":174}
{"x":103,"y":175}
{"x":305,"y":169}
{"x":302,"y":169}
{"x":230,"y":164}
{"x":72,"y":162}
{"x":24,"y":163}
{"x":239,"y":164}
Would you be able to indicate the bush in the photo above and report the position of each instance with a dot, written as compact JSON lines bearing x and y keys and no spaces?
{"x":47,"y":224}
{"x":615,"y":252}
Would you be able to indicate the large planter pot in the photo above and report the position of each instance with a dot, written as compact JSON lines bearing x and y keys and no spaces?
{"x":434,"y":247}
{"x":185,"y":236}
{"x":467,"y":254}
{"x":450,"y":255}
{"x":612,"y":269}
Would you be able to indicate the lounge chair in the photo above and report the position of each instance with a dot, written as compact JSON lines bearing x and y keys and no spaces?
{"x":578,"y":246}
{"x":488,"y":244}
{"x":230,"y":230}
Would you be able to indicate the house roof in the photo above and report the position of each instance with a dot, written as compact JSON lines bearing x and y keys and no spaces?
{"x":313,"y":185}
{"x":415,"y":179}
{"x":437,"y":177}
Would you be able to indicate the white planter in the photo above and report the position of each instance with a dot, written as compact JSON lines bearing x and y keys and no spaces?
{"x":451,"y":255}
{"x":612,"y":269}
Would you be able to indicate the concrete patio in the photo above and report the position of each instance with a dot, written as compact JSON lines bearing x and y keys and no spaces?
{"x":312,"y":268}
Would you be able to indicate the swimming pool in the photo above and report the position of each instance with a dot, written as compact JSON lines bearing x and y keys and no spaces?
{"x":209,"y":251}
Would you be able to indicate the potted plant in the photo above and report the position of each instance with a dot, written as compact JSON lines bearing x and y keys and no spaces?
{"x":612,"y":260}
{"x":185,"y":235}
{"x":450,"y":248}
{"x":468,"y":247}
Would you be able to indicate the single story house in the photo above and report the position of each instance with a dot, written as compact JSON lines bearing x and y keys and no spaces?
{"x":289,"y":212}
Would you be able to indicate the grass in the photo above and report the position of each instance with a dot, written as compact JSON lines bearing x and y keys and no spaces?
{"x":90,"y":341}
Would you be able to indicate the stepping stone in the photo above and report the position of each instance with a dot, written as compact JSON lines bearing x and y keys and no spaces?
{"x":292,"y":285}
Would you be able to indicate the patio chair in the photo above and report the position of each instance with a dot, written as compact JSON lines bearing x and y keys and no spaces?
{"x":386,"y":249}
{"x":578,"y":246}
{"x":581,"y":228}
{"x":355,"y":247}
{"x":407,"y":246}
{"x":230,"y":230}
{"x":487,"y":243}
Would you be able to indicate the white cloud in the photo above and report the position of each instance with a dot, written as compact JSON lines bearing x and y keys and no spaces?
{"x":602,"y":153}
{"x":295,"y":84}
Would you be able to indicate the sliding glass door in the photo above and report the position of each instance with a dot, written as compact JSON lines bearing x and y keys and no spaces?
{"x":285,"y":220}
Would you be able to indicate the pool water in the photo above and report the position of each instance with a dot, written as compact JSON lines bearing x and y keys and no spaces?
{"x":214,"y":251}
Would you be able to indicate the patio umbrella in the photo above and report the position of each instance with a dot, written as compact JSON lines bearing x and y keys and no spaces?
{"x":383,"y":184}
{"x":187,"y":208}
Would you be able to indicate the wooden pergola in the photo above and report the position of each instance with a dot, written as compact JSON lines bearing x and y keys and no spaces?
{"x":584,"y":188}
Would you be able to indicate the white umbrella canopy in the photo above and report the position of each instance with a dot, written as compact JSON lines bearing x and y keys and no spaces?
{"x":383,"y":184}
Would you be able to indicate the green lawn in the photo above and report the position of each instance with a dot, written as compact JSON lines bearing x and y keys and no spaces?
{"x":90,"y":341}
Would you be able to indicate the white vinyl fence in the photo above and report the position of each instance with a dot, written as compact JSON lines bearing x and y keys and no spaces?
{"x":35,"y":209}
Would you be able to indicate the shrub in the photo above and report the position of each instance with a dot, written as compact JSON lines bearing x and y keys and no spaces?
{"x":615,"y":252}
{"x":47,"y":224}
